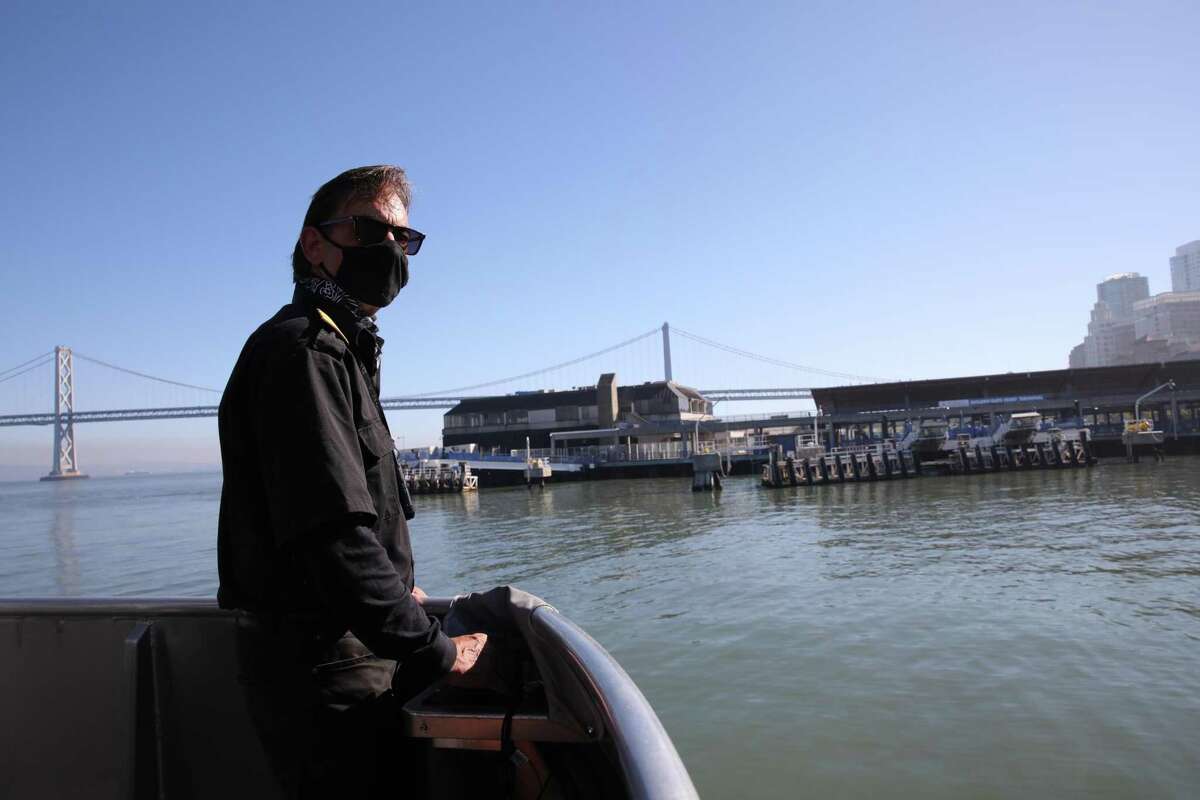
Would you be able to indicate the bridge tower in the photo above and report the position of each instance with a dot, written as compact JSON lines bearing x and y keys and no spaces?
{"x":66,"y":462}
{"x":666,"y":329}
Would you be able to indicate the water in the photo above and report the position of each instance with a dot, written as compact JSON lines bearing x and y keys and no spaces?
{"x":1010,"y":635}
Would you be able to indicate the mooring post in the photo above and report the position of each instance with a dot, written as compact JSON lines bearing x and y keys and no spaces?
{"x":1085,"y":447}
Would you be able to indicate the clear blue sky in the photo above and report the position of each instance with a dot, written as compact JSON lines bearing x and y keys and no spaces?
{"x":888,"y":189}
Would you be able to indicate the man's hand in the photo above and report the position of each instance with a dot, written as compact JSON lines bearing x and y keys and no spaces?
{"x":419,"y":595}
{"x":472,"y":668}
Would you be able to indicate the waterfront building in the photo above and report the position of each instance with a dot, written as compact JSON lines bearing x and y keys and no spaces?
{"x":1185,"y":268}
{"x":1102,"y":398}
{"x":657,"y":410}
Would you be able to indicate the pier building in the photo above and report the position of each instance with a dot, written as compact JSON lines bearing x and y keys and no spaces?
{"x":658,"y":410}
{"x":1101,"y":398}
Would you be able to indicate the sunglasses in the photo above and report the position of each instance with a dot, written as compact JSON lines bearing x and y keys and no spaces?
{"x":368,"y":230}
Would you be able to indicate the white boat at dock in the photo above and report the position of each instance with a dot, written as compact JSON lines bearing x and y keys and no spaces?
{"x":1021,"y":428}
{"x":930,"y":437}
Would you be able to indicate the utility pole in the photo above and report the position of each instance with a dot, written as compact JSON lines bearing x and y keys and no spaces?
{"x":666,"y":330}
{"x":66,"y":462}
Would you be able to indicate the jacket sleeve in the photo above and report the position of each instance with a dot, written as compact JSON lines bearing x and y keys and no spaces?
{"x":352,"y":573}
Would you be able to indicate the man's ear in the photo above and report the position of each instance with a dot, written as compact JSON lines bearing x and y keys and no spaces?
{"x":312,"y":245}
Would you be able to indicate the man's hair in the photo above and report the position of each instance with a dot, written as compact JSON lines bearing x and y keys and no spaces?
{"x":360,"y":183}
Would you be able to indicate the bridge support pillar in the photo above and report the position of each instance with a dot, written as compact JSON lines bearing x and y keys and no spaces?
{"x":65,"y":465}
{"x":666,"y":337}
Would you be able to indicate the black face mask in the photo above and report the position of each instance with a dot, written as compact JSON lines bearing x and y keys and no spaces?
{"x":374,"y":274}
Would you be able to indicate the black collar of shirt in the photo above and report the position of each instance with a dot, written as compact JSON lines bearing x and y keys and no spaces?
{"x":361,"y":331}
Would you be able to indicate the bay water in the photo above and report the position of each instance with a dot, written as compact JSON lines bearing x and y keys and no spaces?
{"x":1012,"y":635}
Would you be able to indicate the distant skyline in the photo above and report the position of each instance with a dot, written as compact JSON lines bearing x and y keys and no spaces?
{"x":890,"y":181}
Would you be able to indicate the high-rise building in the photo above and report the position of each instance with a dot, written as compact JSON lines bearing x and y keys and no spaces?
{"x":1170,"y":315}
{"x":1120,"y":292}
{"x":1185,"y":268}
{"x":1128,"y":326}
{"x":1110,"y":336}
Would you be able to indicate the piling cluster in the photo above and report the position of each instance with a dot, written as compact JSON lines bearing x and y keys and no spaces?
{"x":438,"y":480}
{"x":839,"y":467}
{"x":886,"y":463}
{"x":1039,"y":455}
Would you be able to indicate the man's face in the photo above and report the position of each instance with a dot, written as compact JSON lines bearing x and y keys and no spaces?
{"x":321,"y":254}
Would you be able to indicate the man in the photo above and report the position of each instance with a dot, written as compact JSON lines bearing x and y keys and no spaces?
{"x":313,"y":542}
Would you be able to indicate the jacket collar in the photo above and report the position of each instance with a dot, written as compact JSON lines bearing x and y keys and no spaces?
{"x":359,"y":331}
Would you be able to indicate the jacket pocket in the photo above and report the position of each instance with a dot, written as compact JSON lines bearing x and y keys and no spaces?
{"x":375,"y":440}
{"x":354,"y":676}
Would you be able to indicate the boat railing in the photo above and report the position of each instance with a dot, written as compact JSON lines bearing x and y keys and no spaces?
{"x":650,"y":764}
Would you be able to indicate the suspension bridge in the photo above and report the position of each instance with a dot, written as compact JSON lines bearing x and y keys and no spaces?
{"x":64,"y":414}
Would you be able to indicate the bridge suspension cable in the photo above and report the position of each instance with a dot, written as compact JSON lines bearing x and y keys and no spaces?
{"x":29,"y":366}
{"x":144,"y":375}
{"x":769,"y":360}
{"x":24,"y":363}
{"x":544,"y":370}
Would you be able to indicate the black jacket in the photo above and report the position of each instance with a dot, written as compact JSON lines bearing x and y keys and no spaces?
{"x":311,"y":526}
